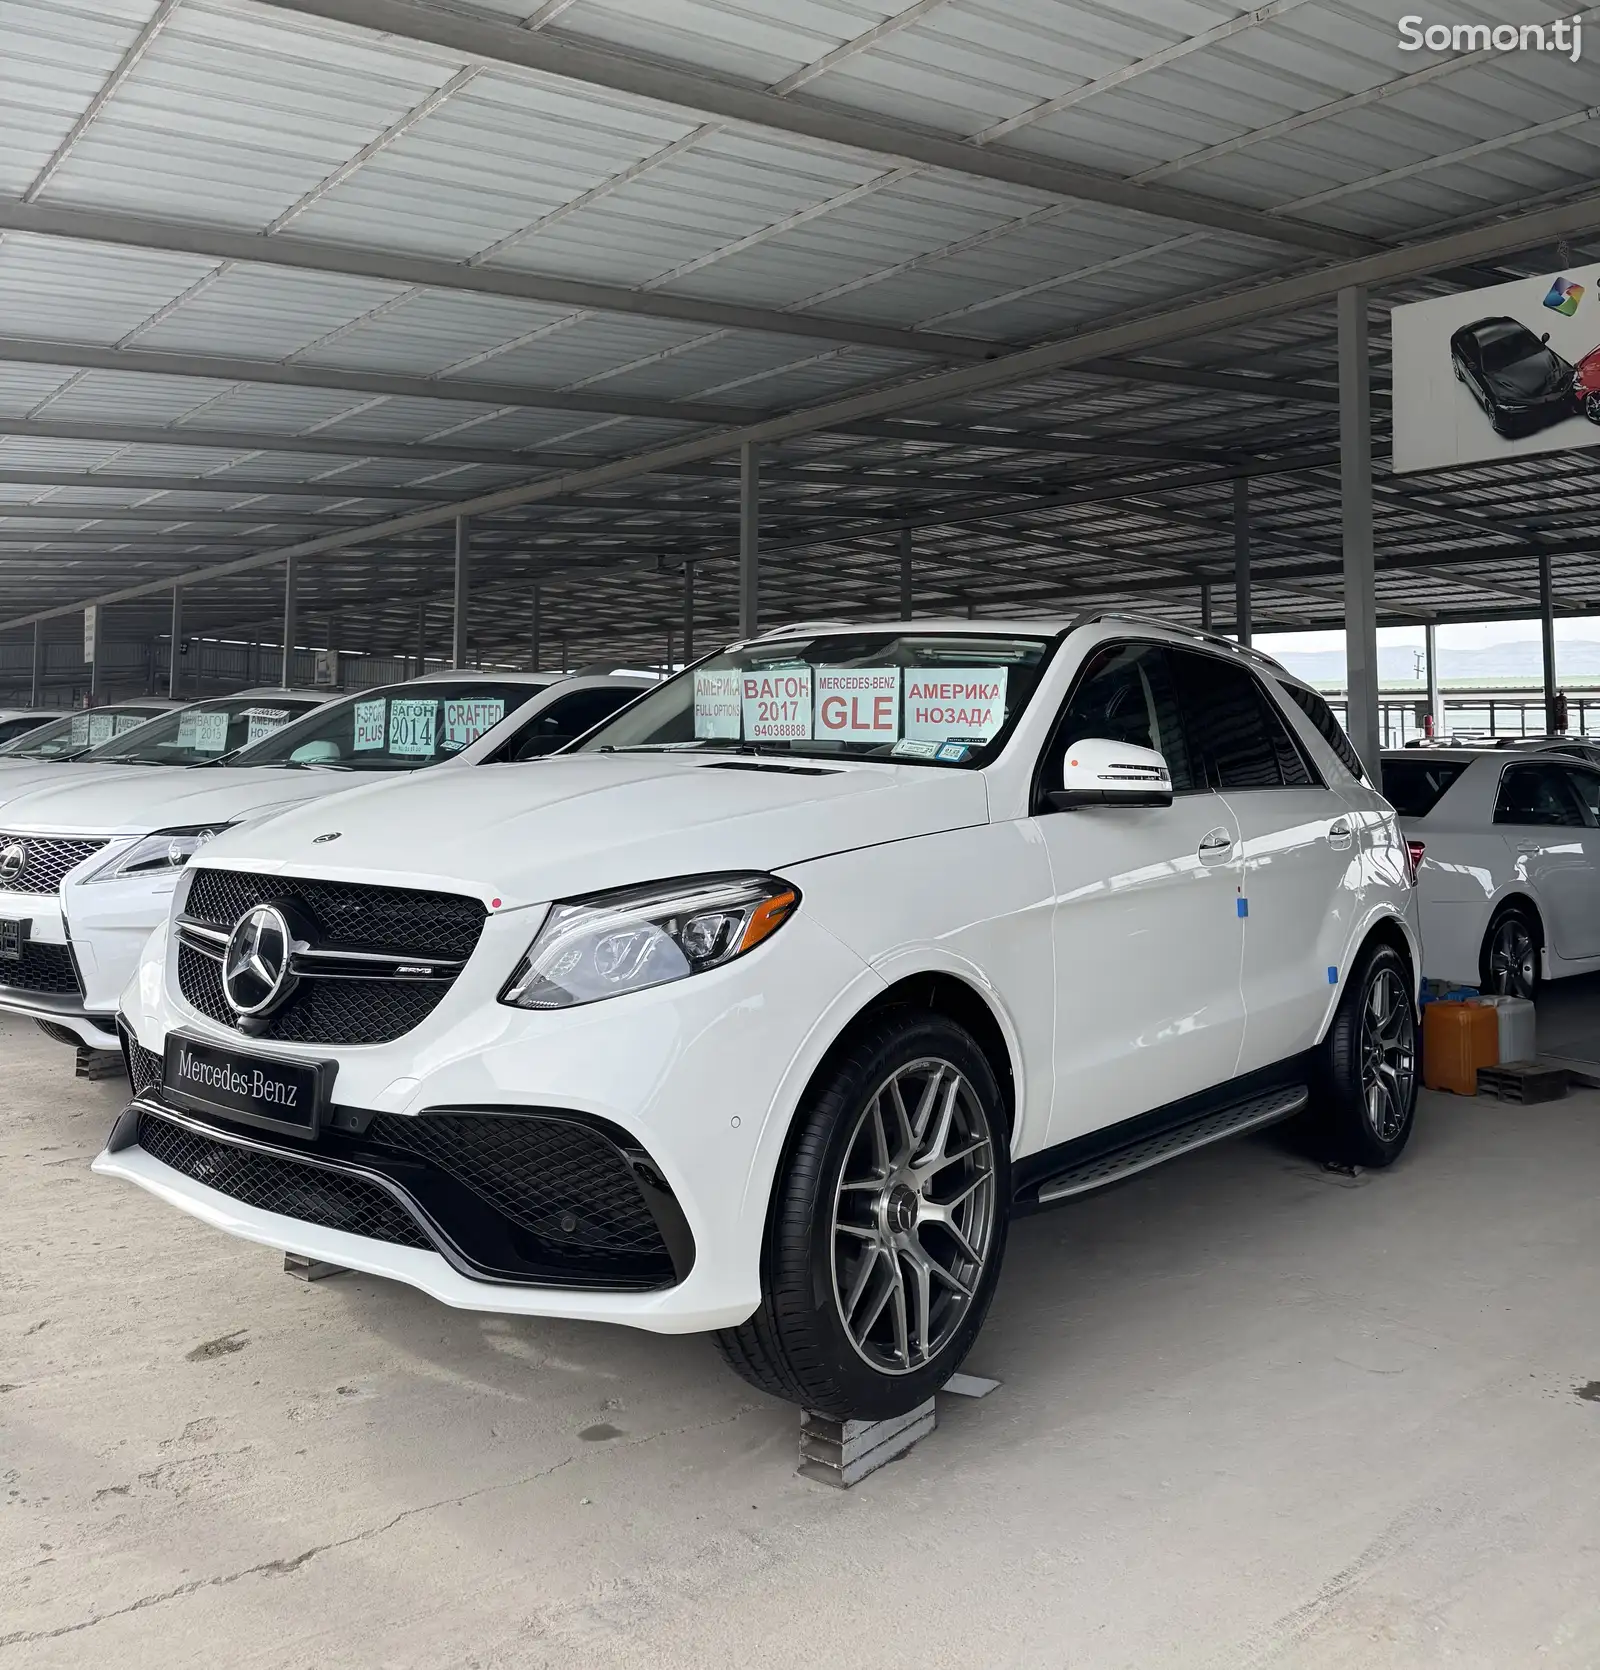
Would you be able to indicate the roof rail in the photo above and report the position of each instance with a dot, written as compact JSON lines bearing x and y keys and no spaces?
{"x":1245,"y":651}
{"x":797,"y":626}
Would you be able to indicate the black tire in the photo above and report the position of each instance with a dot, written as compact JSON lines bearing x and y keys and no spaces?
{"x":797,"y":1346}
{"x":58,"y":1034}
{"x":1591,"y":407}
{"x":1359,"y":1115}
{"x":1510,"y":958}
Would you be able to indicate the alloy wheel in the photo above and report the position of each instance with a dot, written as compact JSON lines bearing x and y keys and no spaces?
{"x":1388,"y":1055}
{"x":913,"y":1217}
{"x":1591,"y":407}
{"x":1512,"y":969}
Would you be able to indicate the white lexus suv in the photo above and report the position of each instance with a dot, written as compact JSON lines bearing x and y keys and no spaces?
{"x":764,"y":1007}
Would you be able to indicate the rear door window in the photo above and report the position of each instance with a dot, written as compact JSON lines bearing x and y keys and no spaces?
{"x":1540,"y":797}
{"x":1328,"y":728}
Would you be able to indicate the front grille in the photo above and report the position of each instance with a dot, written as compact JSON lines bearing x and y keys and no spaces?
{"x":563,"y":1182}
{"x":275,"y":1183}
{"x":48,"y":860}
{"x":43,"y":968}
{"x":145,"y":1067}
{"x":345,"y":916}
{"x":351,"y":915}
{"x":321,"y":1011}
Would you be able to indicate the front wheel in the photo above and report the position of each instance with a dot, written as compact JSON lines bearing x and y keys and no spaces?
{"x":1591,"y":407}
{"x":887,"y":1227}
{"x":1366,"y":1083}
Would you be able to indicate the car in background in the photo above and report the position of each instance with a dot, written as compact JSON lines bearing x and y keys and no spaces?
{"x":1518,"y":379}
{"x":87,"y":868}
{"x":70,"y":736}
{"x":1577,"y":746}
{"x":1586,"y":385}
{"x":18,"y":721}
{"x":762,"y":1007}
{"x":1507,"y":850}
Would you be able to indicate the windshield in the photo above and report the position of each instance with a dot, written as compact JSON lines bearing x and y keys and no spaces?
{"x":76,"y":733}
{"x":928,"y":698}
{"x":206,"y":731}
{"x":1502,"y":351}
{"x":397,"y":728}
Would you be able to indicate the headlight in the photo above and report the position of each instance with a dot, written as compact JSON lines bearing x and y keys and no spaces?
{"x":165,"y":850}
{"x":638,"y":937}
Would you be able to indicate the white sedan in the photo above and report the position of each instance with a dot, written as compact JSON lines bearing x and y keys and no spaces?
{"x":1507,"y":848}
{"x":87,"y":867}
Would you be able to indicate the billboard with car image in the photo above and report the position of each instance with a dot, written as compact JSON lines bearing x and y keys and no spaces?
{"x":1498,"y":372}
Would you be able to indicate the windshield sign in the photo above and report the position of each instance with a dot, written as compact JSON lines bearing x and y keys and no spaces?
{"x":397,"y":728}
{"x":945,"y":698}
{"x":76,"y":733}
{"x":207,"y":731}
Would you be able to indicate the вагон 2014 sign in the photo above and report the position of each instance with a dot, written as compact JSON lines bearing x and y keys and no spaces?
{"x":1498,"y":372}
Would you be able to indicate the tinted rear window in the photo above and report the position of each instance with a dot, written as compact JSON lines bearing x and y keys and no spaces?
{"x":1415,"y":787}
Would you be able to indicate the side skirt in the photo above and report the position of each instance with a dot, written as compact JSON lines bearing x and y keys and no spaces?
{"x":1100,"y":1158}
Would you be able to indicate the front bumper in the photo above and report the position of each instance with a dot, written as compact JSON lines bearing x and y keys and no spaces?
{"x":48,"y":983}
{"x":700,"y":1076}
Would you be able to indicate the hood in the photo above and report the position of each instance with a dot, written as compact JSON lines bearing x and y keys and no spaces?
{"x":22,"y":777}
{"x":1533,"y":377}
{"x":136,"y":799}
{"x":553,"y":828}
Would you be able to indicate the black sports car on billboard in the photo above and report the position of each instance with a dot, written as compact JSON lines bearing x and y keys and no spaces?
{"x":1521,"y":382}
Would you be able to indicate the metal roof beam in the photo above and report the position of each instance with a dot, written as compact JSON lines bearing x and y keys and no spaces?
{"x":346,"y":380}
{"x":175,"y":237}
{"x":1220,"y":312}
{"x":687,"y":88}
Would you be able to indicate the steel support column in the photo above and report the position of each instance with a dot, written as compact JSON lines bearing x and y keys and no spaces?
{"x":463,"y":591}
{"x":688,"y":613}
{"x":1430,"y":648}
{"x":749,"y":540}
{"x":1205,"y":605}
{"x":1241,"y":558}
{"x":97,"y":653}
{"x":905,"y":574}
{"x":38,"y":664}
{"x":534,"y":624}
{"x":175,"y":642}
{"x":1547,"y":642}
{"x":422,"y":639}
{"x":291,"y":587}
{"x":1355,"y":485}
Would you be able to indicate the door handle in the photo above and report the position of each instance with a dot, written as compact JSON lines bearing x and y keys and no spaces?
{"x":1339,"y":835}
{"x":1530,"y":846}
{"x":1215,"y":846}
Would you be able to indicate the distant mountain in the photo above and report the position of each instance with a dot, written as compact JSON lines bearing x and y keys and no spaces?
{"x":1398,"y":665}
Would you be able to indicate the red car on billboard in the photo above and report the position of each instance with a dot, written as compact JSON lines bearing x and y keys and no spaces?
{"x":1586,"y":385}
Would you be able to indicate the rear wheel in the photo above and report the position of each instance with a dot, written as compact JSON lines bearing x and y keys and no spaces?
{"x":1508,"y":965}
{"x":1591,"y":407}
{"x":1366,"y":1089}
{"x":887,"y":1226}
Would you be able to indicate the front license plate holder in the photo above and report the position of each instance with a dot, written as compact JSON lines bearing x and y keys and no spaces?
{"x":269,"y":1091}
{"x":13,"y":937}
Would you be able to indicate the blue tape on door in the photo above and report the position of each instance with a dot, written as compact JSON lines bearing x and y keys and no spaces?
{"x":1333,"y":975}
{"x":1244,"y":907}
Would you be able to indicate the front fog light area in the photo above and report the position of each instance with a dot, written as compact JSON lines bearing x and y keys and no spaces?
{"x":626,"y":941}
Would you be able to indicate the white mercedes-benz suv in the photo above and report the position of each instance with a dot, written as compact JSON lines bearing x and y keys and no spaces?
{"x":763,"y":1008}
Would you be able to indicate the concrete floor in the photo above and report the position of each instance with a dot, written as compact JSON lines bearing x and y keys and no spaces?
{"x":1253,"y":1415}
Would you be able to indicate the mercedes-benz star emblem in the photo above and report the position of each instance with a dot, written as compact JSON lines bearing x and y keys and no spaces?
{"x":255,"y":966}
{"x":13,"y":861}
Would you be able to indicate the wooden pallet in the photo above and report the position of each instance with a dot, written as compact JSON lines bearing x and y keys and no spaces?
{"x":1523,"y":1081}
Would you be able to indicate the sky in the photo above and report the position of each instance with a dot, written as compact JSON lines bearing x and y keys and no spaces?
{"x":1482,"y":635}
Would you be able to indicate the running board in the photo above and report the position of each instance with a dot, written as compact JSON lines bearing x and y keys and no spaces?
{"x":1231,"y":1121}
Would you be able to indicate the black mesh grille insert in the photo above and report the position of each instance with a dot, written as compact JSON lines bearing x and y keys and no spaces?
{"x":352,"y":915}
{"x":43,"y":968}
{"x":321,"y":1011}
{"x":47,"y":861}
{"x":313,"y":1194}
{"x":144,"y":1066}
{"x":562,"y":1182}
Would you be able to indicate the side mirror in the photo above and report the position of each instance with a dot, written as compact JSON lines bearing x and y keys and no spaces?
{"x":1545,"y":337}
{"x":1098,"y":772}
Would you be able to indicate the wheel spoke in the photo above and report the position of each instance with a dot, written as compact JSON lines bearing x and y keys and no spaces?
{"x":934,"y":1148}
{"x":922,"y":1296}
{"x":902,"y":1340}
{"x":880,"y":1142}
{"x":944,"y":1217}
{"x":904,"y":1140}
{"x":925,"y":1105}
{"x":869,"y":1262}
